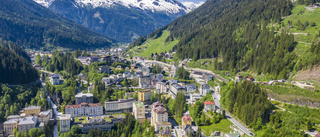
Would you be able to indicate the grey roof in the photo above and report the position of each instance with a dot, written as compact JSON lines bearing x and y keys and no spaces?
{"x":204,"y":86}
{"x":11,"y":121}
{"x":28,"y":120}
{"x":13,"y":116}
{"x":191,"y":85}
{"x":120,"y":100}
{"x":55,"y":75}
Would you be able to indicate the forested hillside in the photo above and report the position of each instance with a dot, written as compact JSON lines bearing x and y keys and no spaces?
{"x":236,"y":33}
{"x":15,"y":67}
{"x":30,"y":25}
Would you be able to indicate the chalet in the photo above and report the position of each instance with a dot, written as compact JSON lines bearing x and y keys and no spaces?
{"x":249,"y":78}
{"x":87,"y":60}
{"x":209,"y":105}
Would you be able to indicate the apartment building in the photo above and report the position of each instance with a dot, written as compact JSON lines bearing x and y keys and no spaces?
{"x":84,"y":109}
{"x":138,"y":111}
{"x":120,"y":106}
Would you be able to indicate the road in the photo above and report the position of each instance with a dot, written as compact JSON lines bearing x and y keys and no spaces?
{"x":56,"y":113}
{"x":216,"y":98}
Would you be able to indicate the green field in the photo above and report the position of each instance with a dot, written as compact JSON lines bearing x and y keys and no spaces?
{"x":223,"y":126}
{"x":154,"y":45}
{"x":300,"y":13}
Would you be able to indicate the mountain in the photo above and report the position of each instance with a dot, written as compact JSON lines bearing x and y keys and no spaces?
{"x":15,"y":67}
{"x":237,"y":34}
{"x":191,"y":5}
{"x":122,"y":20}
{"x":31,"y":25}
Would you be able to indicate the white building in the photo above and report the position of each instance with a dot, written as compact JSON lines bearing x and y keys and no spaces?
{"x":27,"y":123}
{"x":162,"y":86}
{"x":84,"y":98}
{"x":204,"y":89}
{"x":55,"y":79}
{"x":122,"y":105}
{"x":195,"y":97}
{"x":64,"y":122}
{"x":159,"y":116}
{"x":84,"y":109}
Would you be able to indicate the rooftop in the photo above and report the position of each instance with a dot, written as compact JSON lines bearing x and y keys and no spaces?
{"x":65,"y":117}
{"x":11,"y":121}
{"x":28,"y":120}
{"x":138,"y":104}
{"x":79,"y":95}
{"x":84,"y":105}
{"x":204,"y":86}
{"x":44,"y":113}
{"x":186,"y":117}
{"x":209,"y":103}
{"x":120,"y":100}
{"x":32,"y":107}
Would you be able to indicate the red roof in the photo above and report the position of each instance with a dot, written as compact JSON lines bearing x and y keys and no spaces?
{"x":209,"y":103}
{"x":186,"y":117}
{"x":317,"y":135}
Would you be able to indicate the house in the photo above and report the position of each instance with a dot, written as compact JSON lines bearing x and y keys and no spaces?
{"x":206,"y":76}
{"x":107,"y":81}
{"x":159,"y":116}
{"x":238,"y":78}
{"x":145,"y":81}
{"x":191,"y":87}
{"x":144,"y":95}
{"x":168,"y":56}
{"x":160,"y":77}
{"x":145,"y":70}
{"x":9,"y":126}
{"x":249,"y":78}
{"x":186,"y":120}
{"x":119,"y":76}
{"x":173,"y":81}
{"x":204,"y":89}
{"x":162,"y":86}
{"x":38,"y":67}
{"x":174,"y":89}
{"x":82,"y":76}
{"x":138,"y":111}
{"x":84,"y":98}
{"x":165,"y":133}
{"x":27,"y":123}
{"x":174,"y":68}
{"x":186,"y":130}
{"x":209,"y":106}
{"x":45,"y":116}
{"x":31,"y":110}
{"x":195,"y":97}
{"x":126,"y":74}
{"x":55,"y":79}
{"x":104,"y":69}
{"x":119,"y":68}
{"x":84,"y":109}
{"x":64,"y":123}
{"x":87,"y":60}
{"x":120,"y":106}
{"x":317,"y":135}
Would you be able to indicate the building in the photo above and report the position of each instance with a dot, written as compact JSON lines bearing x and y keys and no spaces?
{"x":162,"y":86}
{"x":191,"y":87}
{"x":145,"y":81}
{"x":55,"y":79}
{"x":64,"y":122}
{"x":129,"y":94}
{"x":165,"y":133}
{"x":209,"y":106}
{"x":13,"y":117}
{"x":138,"y":111}
{"x":27,"y":123}
{"x":45,"y":116}
{"x":84,"y":98}
{"x":84,"y":109}
{"x":31,"y":110}
{"x":107,"y":81}
{"x":249,"y":78}
{"x":126,"y":74}
{"x":173,"y":81}
{"x":186,"y":130}
{"x":204,"y":89}
{"x":160,"y":77}
{"x":144,"y":95}
{"x":159,"y":116}
{"x":195,"y":97}
{"x":120,"y":106}
{"x":9,"y":126}
{"x":186,"y":120}
{"x":102,"y":123}
{"x":87,"y":60}
{"x":174,"y":89}
{"x":238,"y":78}
{"x":104,"y":69}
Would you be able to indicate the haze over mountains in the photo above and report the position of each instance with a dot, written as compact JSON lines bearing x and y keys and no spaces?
{"x":121,"y":20}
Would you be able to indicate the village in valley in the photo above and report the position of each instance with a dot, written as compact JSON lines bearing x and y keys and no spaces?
{"x":173,"y":99}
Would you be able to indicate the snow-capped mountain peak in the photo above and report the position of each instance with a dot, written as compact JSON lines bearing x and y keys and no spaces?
{"x":191,"y":5}
{"x":45,"y":3}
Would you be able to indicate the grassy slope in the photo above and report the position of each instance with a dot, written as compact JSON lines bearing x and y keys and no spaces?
{"x":223,"y":126}
{"x":154,"y":45}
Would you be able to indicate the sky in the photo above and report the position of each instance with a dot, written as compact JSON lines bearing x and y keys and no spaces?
{"x":195,"y":1}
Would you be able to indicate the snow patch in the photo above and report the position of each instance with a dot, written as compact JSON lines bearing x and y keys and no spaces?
{"x":191,"y":5}
{"x":45,"y":3}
